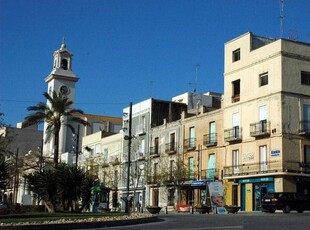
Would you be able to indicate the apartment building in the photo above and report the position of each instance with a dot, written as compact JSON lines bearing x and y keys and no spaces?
{"x":101,"y":157}
{"x":203,"y":154}
{"x":266,"y":115}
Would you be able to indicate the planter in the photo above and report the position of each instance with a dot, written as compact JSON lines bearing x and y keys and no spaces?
{"x":203,"y":209}
{"x":154,"y":210}
{"x":232,"y":209}
{"x":184,"y":209}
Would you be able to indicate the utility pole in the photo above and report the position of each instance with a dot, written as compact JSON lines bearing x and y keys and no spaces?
{"x":16,"y":177}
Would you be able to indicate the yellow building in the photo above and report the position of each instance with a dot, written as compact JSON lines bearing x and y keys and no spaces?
{"x":266,"y":118}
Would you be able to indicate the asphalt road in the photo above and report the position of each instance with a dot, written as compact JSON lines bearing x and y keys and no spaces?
{"x":251,"y":221}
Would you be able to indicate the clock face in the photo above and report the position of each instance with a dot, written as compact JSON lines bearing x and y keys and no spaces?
{"x":64,"y":90}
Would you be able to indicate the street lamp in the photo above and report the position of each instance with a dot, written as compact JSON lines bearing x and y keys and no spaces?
{"x":128,"y":199}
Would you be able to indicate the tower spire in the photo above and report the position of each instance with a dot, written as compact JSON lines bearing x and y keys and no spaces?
{"x":63,"y":45}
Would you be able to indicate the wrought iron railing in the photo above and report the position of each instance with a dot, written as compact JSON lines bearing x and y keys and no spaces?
{"x":171,"y":148}
{"x":154,"y":151}
{"x":210,"y":139}
{"x":267,"y":167}
{"x":210,"y":174}
{"x":261,"y":128}
{"x":190,"y":144}
{"x":233,"y":134}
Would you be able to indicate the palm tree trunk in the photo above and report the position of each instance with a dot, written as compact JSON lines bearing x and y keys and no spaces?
{"x":56,"y":146}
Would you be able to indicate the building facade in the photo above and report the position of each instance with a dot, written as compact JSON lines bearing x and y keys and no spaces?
{"x":266,"y":118}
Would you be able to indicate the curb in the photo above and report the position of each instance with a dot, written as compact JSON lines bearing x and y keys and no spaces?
{"x":100,"y":224}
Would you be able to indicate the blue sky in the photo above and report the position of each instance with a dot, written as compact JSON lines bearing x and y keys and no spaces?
{"x":129,"y":50}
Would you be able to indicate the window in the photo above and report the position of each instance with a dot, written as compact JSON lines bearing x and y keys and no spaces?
{"x":64,"y":64}
{"x":212,"y":132}
{"x":105,"y":155}
{"x":305,"y":78}
{"x":263,"y":79}
{"x":192,"y":138}
{"x":236,"y":91}
{"x":236,"y":55}
{"x":172,"y":142}
{"x":156,"y":143}
{"x":235,"y":160}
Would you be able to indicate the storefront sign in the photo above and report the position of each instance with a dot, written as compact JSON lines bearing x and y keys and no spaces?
{"x":199,"y":183}
{"x":256,"y":180}
{"x":275,"y":153}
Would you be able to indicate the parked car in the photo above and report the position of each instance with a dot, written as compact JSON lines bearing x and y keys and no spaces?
{"x":285,"y":201}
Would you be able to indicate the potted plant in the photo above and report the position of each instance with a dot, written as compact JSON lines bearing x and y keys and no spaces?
{"x":202,"y":209}
{"x":232,"y":209}
{"x":153,"y":209}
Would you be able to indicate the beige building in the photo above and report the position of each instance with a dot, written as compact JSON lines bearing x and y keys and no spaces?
{"x":266,"y":118}
{"x":203,"y":154}
{"x":101,"y":156}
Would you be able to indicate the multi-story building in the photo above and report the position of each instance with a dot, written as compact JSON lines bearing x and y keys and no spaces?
{"x":144,"y":116}
{"x":203,"y":151}
{"x":266,"y":118}
{"x":101,"y":157}
{"x":23,"y":144}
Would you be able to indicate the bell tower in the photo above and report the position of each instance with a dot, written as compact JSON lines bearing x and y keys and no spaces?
{"x":62,"y":80}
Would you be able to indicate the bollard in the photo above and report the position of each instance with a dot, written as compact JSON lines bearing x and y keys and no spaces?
{"x":166,"y":210}
{"x":192,"y":210}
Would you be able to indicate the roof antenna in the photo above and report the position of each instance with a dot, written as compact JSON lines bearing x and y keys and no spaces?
{"x":197,"y":68}
{"x":281,"y":17}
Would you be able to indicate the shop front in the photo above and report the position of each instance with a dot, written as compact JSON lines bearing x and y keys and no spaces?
{"x":253,"y":190}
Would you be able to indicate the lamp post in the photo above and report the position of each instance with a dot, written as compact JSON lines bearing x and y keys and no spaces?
{"x":128,"y":138}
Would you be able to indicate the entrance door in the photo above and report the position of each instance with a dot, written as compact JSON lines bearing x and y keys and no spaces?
{"x":155,"y":196}
{"x":260,"y":191}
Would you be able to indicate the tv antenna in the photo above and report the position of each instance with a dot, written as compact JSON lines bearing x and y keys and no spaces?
{"x":281,"y":17}
{"x":196,"y":77}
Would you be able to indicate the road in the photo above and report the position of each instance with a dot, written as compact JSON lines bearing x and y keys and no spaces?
{"x":240,"y":221}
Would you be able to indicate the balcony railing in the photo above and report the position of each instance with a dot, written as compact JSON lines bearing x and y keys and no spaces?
{"x":154,"y":151}
{"x":233,"y":134}
{"x":114,"y":160}
{"x":267,"y":167}
{"x":190,"y":144}
{"x":235,"y":98}
{"x":152,"y":180}
{"x":261,"y":128}
{"x":171,"y":148}
{"x":210,"y":139}
{"x":140,"y":129}
{"x":304,"y":127}
{"x":210,"y":174}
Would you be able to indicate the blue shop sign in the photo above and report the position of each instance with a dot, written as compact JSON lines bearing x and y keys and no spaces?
{"x":256,"y":180}
{"x":199,"y":183}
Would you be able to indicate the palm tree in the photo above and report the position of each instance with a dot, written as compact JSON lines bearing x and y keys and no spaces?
{"x":59,"y":106}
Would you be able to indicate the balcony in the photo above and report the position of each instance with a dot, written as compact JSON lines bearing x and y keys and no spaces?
{"x":140,"y":156}
{"x":267,"y":167}
{"x":304,"y":128}
{"x":260,"y":129}
{"x":152,"y":180}
{"x":210,"y":139}
{"x":235,"y":98}
{"x":154,"y":151}
{"x":190,"y":144}
{"x":170,"y":148}
{"x":233,"y":135}
{"x":210,"y":174}
{"x":114,"y":160}
{"x":140,"y":130}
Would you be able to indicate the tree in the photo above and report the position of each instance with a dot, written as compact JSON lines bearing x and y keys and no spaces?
{"x":67,"y":185}
{"x":59,"y":106}
{"x":4,"y":173}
